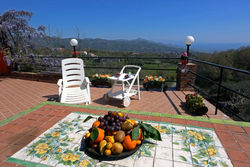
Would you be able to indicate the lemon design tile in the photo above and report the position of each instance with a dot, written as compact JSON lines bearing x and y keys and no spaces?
{"x":180,"y":146}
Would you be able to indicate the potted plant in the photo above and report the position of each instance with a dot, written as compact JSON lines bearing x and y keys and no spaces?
{"x":100,"y":80}
{"x":155,"y":82}
{"x":195,"y":104}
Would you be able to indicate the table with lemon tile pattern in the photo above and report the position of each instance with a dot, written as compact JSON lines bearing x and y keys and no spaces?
{"x":180,"y":146}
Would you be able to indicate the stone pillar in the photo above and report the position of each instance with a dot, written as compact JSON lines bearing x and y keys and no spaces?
{"x":184,"y":77}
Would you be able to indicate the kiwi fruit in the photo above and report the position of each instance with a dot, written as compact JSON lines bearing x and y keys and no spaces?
{"x":120,"y":135}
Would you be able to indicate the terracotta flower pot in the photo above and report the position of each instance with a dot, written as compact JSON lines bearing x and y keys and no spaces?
{"x":151,"y":85}
{"x":200,"y":111}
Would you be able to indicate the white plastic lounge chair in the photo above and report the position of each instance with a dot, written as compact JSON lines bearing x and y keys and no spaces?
{"x":74,"y":86}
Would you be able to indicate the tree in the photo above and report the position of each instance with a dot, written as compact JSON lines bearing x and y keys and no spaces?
{"x":15,"y":32}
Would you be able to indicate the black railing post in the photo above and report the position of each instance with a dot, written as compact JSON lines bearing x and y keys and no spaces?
{"x":126,"y":59}
{"x":188,"y":53}
{"x":74,"y":51}
{"x":218,"y":91}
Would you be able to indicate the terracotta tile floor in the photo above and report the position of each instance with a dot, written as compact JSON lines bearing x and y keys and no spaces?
{"x":18,"y":133}
{"x":17,"y":95}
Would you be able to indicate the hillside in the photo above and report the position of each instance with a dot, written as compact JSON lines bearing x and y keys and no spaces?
{"x":238,"y":58}
{"x":137,"y":45}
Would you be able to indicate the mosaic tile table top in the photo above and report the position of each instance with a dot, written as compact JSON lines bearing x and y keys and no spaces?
{"x":180,"y":146}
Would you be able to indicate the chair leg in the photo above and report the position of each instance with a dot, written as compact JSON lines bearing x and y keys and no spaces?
{"x":138,"y":91}
{"x":88,"y":90}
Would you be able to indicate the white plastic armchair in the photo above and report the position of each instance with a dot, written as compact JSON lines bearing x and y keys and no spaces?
{"x":74,"y":86}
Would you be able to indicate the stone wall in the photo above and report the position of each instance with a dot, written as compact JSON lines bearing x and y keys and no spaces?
{"x":44,"y":77}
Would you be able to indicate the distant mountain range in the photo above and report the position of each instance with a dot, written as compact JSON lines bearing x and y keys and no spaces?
{"x":137,"y":45}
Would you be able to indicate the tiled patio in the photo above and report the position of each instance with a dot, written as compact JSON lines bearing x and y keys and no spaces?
{"x":64,"y":138}
{"x":18,"y":95}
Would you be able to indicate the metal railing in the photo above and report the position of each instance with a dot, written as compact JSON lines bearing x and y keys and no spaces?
{"x":216,"y":101}
{"x":134,"y":58}
{"x":126,"y":60}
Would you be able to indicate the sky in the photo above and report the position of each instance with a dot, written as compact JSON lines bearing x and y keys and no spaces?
{"x":169,"y":21}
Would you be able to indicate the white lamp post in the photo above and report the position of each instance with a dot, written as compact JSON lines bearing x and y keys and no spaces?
{"x":189,"y":40}
{"x":74,"y":43}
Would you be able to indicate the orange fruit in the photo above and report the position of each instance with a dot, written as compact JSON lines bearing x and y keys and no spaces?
{"x":96,"y":124}
{"x":128,"y":143}
{"x":140,"y":134}
{"x":100,"y":135}
{"x":107,"y":152}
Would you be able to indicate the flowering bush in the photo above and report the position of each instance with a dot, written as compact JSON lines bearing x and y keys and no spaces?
{"x":195,"y":104}
{"x":154,"y":82}
{"x":16,"y":33}
{"x":101,"y":79}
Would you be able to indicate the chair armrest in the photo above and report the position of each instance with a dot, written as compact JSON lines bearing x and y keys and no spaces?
{"x":59,"y":82}
{"x":87,"y":80}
